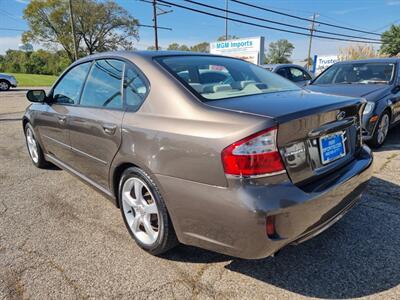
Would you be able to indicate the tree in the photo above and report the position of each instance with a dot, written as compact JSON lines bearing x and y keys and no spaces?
{"x":201,"y":47}
{"x":100,"y":26}
{"x":279,"y":52}
{"x":153,"y":48}
{"x":35,"y":62}
{"x":177,"y":47}
{"x":391,"y":41}
{"x":229,"y":37}
{"x":353,"y":52}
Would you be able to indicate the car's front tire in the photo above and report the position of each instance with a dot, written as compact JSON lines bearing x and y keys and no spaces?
{"x":381,"y":130}
{"x":4,"y":85}
{"x":34,"y":149}
{"x":144,"y":212}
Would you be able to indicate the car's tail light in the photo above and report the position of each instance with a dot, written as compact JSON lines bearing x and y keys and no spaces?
{"x":270,"y":227}
{"x":255,"y":155}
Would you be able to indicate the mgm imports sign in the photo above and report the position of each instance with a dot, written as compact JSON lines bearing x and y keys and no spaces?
{"x":249,"y":49}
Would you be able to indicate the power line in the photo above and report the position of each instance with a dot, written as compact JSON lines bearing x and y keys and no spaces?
{"x":11,"y":29}
{"x":301,"y":18}
{"x":275,"y":22}
{"x":152,"y":26}
{"x":263,"y":26}
{"x":151,"y":2}
{"x":12,"y":16}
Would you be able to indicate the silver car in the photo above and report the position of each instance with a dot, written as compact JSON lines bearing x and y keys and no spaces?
{"x":7,"y":81}
{"x":295,"y":73}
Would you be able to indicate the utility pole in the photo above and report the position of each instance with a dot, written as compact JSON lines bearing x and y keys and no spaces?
{"x":155,"y":24}
{"x":73,"y":30}
{"x":309,"y":45}
{"x":155,"y":15}
{"x":226,"y":19}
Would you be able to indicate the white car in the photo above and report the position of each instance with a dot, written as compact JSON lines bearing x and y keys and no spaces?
{"x":7,"y":81}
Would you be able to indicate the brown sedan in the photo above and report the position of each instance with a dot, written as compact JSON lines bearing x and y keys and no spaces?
{"x":201,"y":149}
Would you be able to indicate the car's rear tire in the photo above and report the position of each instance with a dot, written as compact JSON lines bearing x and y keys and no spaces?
{"x":34,"y":149}
{"x":144,"y":212}
{"x":4,"y":85}
{"x":381,"y":130}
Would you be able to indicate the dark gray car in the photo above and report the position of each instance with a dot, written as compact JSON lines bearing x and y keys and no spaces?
{"x":377,"y":81}
{"x":243,"y":168}
{"x":295,"y":73}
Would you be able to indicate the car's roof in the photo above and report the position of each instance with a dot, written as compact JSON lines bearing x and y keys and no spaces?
{"x":373,"y":60}
{"x":273,"y":66}
{"x":144,"y":54}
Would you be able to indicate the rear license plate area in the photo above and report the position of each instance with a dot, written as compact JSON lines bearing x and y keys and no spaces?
{"x":332,"y":147}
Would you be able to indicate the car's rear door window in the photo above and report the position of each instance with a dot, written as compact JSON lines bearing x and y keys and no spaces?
{"x":68,"y":89}
{"x":103,"y":86}
{"x":135,"y":88}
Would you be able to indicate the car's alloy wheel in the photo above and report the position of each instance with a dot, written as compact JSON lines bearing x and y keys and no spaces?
{"x":4,"y":86}
{"x":383,"y":128}
{"x":145,"y":213}
{"x":34,"y":149}
{"x":32,"y":145}
{"x":140,"y":210}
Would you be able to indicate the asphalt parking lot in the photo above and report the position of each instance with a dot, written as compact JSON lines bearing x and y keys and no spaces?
{"x":61,"y":239}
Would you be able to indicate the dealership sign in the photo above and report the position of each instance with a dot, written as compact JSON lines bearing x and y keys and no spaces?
{"x":323,"y":62}
{"x":249,"y":49}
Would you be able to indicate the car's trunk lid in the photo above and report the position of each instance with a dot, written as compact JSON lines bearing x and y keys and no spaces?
{"x":303,"y":119}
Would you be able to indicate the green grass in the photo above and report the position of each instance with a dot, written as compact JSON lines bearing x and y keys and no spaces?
{"x":34,"y":79}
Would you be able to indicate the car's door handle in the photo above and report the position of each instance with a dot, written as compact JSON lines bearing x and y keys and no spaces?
{"x":109,"y":128}
{"x":62,"y":119}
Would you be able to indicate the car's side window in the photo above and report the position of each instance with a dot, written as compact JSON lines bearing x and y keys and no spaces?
{"x":135,"y":88}
{"x":283,"y":72}
{"x":69,"y":87}
{"x":299,"y":75}
{"x":104,"y":84}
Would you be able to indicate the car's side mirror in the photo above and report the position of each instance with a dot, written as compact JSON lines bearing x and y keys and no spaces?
{"x":307,"y":82}
{"x":36,"y":95}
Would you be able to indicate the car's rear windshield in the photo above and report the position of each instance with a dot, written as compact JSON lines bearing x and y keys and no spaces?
{"x":357,"y":73}
{"x":216,"y":78}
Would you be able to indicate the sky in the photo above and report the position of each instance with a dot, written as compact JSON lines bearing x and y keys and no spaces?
{"x":191,"y":28}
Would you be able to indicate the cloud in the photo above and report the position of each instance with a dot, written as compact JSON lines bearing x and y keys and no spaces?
{"x":9,"y":42}
{"x":23,"y":1}
{"x":393,"y":3}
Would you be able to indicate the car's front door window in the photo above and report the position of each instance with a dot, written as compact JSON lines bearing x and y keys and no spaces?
{"x":69,"y":87}
{"x":104,"y":85}
{"x":283,"y":72}
{"x":298,"y":75}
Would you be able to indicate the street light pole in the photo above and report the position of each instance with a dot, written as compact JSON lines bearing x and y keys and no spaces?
{"x":73,"y":30}
{"x":155,"y":23}
{"x":309,"y":45}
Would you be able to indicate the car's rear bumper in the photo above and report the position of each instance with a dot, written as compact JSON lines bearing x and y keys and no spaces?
{"x":232,"y":220}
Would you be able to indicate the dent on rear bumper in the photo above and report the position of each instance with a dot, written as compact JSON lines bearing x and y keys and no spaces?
{"x":232,"y":220}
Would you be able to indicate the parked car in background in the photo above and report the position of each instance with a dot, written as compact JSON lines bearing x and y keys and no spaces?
{"x":295,"y":73}
{"x":377,"y":81}
{"x":243,"y":168}
{"x":7,"y":81}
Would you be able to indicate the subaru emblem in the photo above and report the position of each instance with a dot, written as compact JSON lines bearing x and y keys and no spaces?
{"x":340,"y":115}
